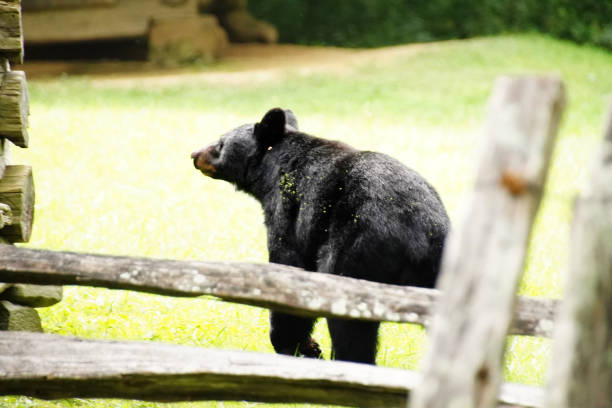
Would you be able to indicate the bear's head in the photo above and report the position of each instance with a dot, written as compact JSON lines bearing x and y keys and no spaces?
{"x":231,"y":157}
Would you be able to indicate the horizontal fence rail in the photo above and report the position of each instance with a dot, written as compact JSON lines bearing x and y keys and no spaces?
{"x":52,"y":367}
{"x":274,"y":286}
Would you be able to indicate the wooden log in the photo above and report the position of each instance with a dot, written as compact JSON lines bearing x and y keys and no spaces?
{"x":17,"y":191}
{"x":52,"y":367}
{"x":581,"y":368}
{"x":11,"y":34}
{"x":39,"y":5}
{"x":485,"y":252}
{"x":14,"y":108}
{"x":273,"y":286}
{"x":128,"y":19}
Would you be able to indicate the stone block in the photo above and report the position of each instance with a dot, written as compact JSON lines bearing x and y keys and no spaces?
{"x":18,"y":318}
{"x":243,"y":27}
{"x":186,"y":40}
{"x":33,"y":295}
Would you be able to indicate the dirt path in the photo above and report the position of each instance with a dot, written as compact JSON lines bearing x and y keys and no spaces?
{"x":242,"y":63}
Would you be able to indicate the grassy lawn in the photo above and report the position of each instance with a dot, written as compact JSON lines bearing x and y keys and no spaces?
{"x":113,"y":175}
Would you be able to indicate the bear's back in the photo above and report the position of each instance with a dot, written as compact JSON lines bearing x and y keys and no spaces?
{"x":366,"y":215}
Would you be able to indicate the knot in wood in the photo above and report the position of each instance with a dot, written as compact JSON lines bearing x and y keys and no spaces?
{"x":514,"y":183}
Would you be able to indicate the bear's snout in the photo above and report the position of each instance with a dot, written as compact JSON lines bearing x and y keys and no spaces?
{"x":201,"y":161}
{"x":195,"y":156}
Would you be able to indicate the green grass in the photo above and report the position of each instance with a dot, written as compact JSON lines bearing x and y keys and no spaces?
{"x":113,"y":175}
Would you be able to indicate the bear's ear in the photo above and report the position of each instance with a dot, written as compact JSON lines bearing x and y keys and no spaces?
{"x":271,"y":128}
{"x":291,"y":119}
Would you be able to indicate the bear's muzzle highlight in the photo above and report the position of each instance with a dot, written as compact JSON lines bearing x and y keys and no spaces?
{"x":201,"y":162}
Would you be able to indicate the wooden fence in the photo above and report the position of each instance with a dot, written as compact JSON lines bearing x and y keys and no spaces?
{"x":16,"y":181}
{"x":470,"y":317}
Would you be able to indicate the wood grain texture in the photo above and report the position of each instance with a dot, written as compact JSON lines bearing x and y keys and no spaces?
{"x":51,"y":367}
{"x":14,"y":107}
{"x":485,"y":252}
{"x":274,"y":286}
{"x":17,"y":191}
{"x":11,"y":36}
{"x":581,"y":368}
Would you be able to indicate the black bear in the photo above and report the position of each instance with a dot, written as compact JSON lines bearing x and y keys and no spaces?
{"x":334,"y":209}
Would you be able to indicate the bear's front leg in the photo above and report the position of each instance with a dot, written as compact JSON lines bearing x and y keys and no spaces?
{"x":290,"y":335}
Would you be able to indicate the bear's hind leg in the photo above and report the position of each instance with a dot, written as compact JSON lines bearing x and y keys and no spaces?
{"x":354,"y":340}
{"x":290,"y":335}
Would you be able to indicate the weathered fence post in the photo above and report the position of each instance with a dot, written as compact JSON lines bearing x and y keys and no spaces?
{"x":485,"y":252}
{"x":581,"y":369}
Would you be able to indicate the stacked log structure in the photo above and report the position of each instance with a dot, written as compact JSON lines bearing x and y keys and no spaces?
{"x":177,"y":31}
{"x":240,"y":25}
{"x":17,"y":302}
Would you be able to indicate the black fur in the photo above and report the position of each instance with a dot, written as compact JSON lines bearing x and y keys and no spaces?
{"x":333,"y":209}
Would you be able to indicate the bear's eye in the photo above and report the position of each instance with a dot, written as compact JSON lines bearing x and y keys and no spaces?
{"x":220,"y":145}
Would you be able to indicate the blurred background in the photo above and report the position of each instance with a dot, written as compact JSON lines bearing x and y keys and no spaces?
{"x":370,"y":23}
{"x":142,"y":29}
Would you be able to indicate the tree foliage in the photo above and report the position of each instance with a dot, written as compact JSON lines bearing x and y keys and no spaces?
{"x":370,"y":23}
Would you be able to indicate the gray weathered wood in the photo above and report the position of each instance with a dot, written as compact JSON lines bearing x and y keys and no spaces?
{"x":11,"y":36}
{"x":48,"y":366}
{"x":581,"y":368}
{"x":485,"y":252}
{"x":273,"y":286}
{"x":14,"y":107}
{"x":17,"y":191}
